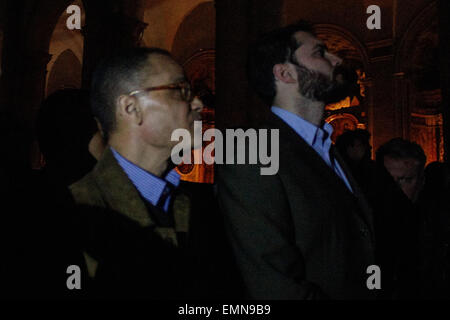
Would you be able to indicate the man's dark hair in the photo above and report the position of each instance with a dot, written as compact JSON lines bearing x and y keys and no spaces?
{"x":118,"y":74}
{"x":399,"y":148}
{"x":275,"y":47}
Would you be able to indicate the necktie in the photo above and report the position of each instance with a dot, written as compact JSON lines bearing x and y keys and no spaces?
{"x":167,"y":192}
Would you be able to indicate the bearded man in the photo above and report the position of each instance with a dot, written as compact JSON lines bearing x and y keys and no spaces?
{"x":305,"y":232}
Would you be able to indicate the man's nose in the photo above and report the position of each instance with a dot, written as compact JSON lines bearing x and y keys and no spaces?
{"x":197,"y":104}
{"x":335,"y":60}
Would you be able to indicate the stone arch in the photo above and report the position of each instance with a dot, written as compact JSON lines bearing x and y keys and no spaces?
{"x":163,"y":18}
{"x":36,"y":44}
{"x":409,"y":40}
{"x":43,"y":23}
{"x":71,"y":44}
{"x":66,"y":72}
{"x":417,"y":53}
{"x":196,"y":32}
{"x":418,"y":82}
{"x":39,"y":31}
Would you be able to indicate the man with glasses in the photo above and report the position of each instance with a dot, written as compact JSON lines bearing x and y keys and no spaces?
{"x":133,"y":219}
{"x":305,"y":232}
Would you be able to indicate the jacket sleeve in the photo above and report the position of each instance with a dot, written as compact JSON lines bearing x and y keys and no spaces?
{"x":260,"y":228}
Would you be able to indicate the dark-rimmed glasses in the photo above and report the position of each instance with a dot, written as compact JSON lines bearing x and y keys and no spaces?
{"x":184,"y":87}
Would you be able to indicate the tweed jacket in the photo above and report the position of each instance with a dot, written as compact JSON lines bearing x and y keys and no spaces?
{"x":127,"y":252}
{"x":298,"y":234}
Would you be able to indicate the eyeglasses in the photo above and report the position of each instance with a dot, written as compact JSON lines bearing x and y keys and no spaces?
{"x":184,"y":87}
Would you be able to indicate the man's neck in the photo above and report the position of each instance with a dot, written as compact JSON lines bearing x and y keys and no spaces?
{"x":151,"y":159}
{"x":311,"y":111}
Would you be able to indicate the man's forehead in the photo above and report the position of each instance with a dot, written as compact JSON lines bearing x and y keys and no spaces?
{"x":307,"y":39}
{"x":401,"y":163}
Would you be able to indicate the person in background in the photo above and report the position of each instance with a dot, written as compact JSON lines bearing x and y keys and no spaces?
{"x":435,"y":250}
{"x":355,"y":148}
{"x":405,"y":162}
{"x":398,"y":218}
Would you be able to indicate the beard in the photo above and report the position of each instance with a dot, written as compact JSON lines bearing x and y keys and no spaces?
{"x":318,"y":87}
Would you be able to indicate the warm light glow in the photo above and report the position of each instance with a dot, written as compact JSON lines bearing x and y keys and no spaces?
{"x":361,"y":77}
{"x":339,"y":105}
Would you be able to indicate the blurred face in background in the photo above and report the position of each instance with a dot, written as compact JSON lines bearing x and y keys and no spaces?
{"x":407,"y":173}
{"x":359,"y":150}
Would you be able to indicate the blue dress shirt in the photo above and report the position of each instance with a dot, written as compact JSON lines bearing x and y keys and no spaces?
{"x":318,"y":138}
{"x":149,"y":186}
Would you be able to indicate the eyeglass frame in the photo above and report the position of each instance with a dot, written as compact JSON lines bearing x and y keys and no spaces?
{"x":179,"y":85}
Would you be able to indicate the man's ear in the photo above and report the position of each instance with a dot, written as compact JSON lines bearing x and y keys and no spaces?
{"x":284,"y":73}
{"x":129,"y":109}
{"x":99,"y":127}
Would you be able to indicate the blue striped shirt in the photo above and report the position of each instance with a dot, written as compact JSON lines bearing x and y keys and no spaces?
{"x":318,"y":138}
{"x":150,"y":187}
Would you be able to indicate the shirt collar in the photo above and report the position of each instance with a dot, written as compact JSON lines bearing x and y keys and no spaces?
{"x":311,"y":133}
{"x":149,"y":186}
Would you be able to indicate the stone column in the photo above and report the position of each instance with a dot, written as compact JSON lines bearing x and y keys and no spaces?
{"x":384,"y":117}
{"x":402,"y":105}
{"x":444,"y":45}
{"x":426,"y":131}
{"x":368,"y":85}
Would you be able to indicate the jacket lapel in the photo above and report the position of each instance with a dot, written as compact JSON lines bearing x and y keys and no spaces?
{"x":122,"y":196}
{"x":366,"y":210}
{"x":293,"y":147}
{"x":118,"y":190}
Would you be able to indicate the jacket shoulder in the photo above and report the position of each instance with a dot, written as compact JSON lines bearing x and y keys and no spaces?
{"x":86,"y":191}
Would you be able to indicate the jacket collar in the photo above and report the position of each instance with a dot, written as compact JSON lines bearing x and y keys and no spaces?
{"x":294,"y":147}
{"x":119,"y":191}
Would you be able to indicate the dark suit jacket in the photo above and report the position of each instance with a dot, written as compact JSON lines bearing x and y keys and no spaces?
{"x":128,"y":254}
{"x":298,"y":234}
